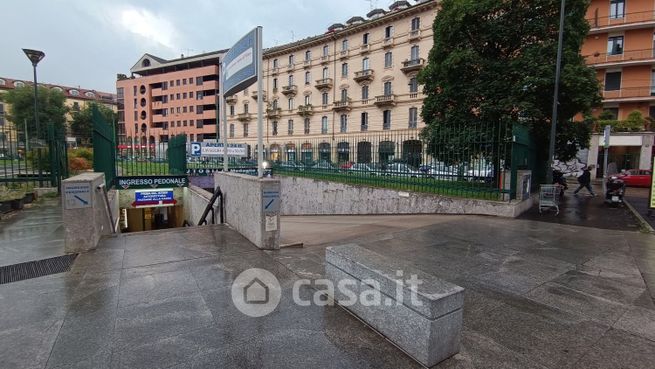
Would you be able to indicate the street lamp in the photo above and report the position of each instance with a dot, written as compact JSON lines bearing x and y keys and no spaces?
{"x":35,"y":56}
{"x":553,"y":123}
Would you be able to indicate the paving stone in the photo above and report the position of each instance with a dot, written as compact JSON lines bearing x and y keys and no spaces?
{"x":638,"y":321}
{"x":157,"y":286}
{"x":617,"y":349}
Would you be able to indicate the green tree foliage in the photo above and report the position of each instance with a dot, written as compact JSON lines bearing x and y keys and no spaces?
{"x":82,"y":124}
{"x":51,"y":110}
{"x":493,"y":63}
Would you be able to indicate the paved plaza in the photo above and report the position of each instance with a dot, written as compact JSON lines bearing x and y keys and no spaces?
{"x":538,"y":295}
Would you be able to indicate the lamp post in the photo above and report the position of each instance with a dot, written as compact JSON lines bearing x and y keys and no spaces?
{"x":553,"y":124}
{"x":35,"y":56}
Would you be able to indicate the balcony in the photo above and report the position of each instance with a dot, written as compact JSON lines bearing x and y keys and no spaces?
{"x":410,"y":66}
{"x":324,"y":84}
{"x":306,"y":110}
{"x":345,"y":105}
{"x":231,"y":99}
{"x":273,"y":113}
{"x":275,"y":71}
{"x":365,"y":49}
{"x":343,"y":54}
{"x":307,"y":63}
{"x":325,"y":59}
{"x":244,"y":117}
{"x":414,"y":35}
{"x":627,"y":57}
{"x":290,"y":67}
{"x":385,"y":100}
{"x":290,"y":90}
{"x":627,"y":21}
{"x":388,"y":42}
{"x":254,"y":95}
{"x":645,"y":93}
{"x":365,"y":75}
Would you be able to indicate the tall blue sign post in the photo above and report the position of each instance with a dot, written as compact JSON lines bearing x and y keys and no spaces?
{"x":241,"y":67}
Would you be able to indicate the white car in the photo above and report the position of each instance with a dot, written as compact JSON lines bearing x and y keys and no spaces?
{"x":402,"y":170}
{"x":361,"y":168}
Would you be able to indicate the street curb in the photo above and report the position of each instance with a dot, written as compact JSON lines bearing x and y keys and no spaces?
{"x":640,"y":218}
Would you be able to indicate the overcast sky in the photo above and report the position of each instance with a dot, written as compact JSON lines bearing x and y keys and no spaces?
{"x":87,"y":42}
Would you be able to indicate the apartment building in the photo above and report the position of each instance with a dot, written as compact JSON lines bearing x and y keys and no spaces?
{"x":164,"y":98}
{"x":329,"y":96}
{"x":621,"y":47}
{"x":76,"y":99}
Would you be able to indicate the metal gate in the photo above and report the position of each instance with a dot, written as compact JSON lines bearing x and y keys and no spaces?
{"x":177,"y":155}
{"x":104,"y":147}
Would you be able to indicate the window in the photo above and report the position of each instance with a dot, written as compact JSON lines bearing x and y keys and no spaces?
{"x":291,"y":60}
{"x":275,"y":63}
{"x":290,"y":104}
{"x":365,"y":64}
{"x":617,"y":9}
{"x":184,"y":95}
{"x":190,"y":80}
{"x":364,"y":92}
{"x":178,"y":96}
{"x":387,"y":88}
{"x":364,"y":122}
{"x":184,"y":81}
{"x":177,"y":110}
{"x":191,"y":122}
{"x":245,"y":108}
{"x":365,"y":38}
{"x":413,"y":117}
{"x":344,"y":70}
{"x":388,"y":59}
{"x":307,"y":123}
{"x":232,"y":110}
{"x":324,"y":98}
{"x":612,"y":81}
{"x":615,"y":45}
{"x":136,"y":114}
{"x":416,"y":24}
{"x":308,"y":55}
{"x":184,"y":123}
{"x":133,"y":90}
{"x":386,"y":119}
{"x":198,"y":81}
{"x":324,"y":125}
{"x":326,"y":50}
{"x":199,"y":109}
{"x":290,"y":79}
{"x":275,"y":104}
{"x":177,"y":82}
{"x":325,"y":73}
{"x":414,"y":53}
{"x":135,"y":104}
{"x":274,"y":83}
{"x":344,"y":45}
{"x":388,"y":32}
{"x":343,"y":128}
{"x":245,"y":129}
{"x":231,"y":130}
{"x":344,"y":95}
{"x":413,"y":85}
{"x":275,"y":128}
{"x":198,"y":95}
{"x":307,"y":99}
{"x":290,"y":127}
{"x":184,"y":109}
{"x":308,"y":77}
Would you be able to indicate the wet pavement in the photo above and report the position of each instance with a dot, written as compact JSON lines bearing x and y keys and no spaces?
{"x":538,"y":295}
{"x":33,"y":233}
{"x":638,"y":198}
{"x":586,"y":211}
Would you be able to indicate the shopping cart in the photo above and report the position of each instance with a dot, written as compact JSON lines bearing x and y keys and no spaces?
{"x":549,"y":197}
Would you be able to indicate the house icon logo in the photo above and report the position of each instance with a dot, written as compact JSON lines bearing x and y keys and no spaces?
{"x":256,"y":292}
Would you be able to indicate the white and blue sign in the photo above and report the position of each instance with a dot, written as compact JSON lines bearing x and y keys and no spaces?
{"x":239,"y":65}
{"x":77,"y":195}
{"x":196,"y":149}
{"x":151,"y":196}
{"x":271,"y":198}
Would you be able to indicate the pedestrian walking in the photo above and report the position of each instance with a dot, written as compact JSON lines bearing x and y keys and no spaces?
{"x":585,"y":181}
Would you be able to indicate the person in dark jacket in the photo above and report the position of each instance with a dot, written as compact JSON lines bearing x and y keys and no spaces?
{"x":585,"y":181}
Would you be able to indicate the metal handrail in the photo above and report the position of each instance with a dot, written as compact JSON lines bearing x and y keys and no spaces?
{"x":210,"y":207}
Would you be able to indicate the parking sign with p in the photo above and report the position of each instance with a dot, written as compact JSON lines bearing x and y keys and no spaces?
{"x":196,"y":149}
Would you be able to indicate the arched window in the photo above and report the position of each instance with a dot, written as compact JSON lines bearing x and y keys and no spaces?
{"x":307,"y":124}
{"x":324,"y":125}
{"x":145,"y":63}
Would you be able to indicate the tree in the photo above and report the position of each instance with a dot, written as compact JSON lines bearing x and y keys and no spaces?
{"x":51,"y":110}
{"x":493,"y":65}
{"x":82,"y":124}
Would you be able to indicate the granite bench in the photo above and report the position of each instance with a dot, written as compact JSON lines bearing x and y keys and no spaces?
{"x":423,"y":321}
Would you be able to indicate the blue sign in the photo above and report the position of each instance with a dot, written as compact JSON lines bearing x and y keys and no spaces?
{"x":239,"y":65}
{"x":196,"y":149}
{"x":150,"y":196}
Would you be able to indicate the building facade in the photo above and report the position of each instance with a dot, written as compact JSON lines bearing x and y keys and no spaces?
{"x":168,"y":98}
{"x":76,"y":99}
{"x":620,"y":47}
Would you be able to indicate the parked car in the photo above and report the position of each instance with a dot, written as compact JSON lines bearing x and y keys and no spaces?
{"x":290,"y":165}
{"x":324,"y":165}
{"x":346,"y":165}
{"x":439,"y":171}
{"x":637,"y":177}
{"x":361,"y":168}
{"x":402,"y":170}
{"x":485,"y":174}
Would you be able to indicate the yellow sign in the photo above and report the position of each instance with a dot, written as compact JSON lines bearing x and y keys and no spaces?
{"x":652,"y":185}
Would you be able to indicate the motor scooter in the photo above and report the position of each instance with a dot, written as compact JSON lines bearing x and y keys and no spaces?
{"x":615,"y":191}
